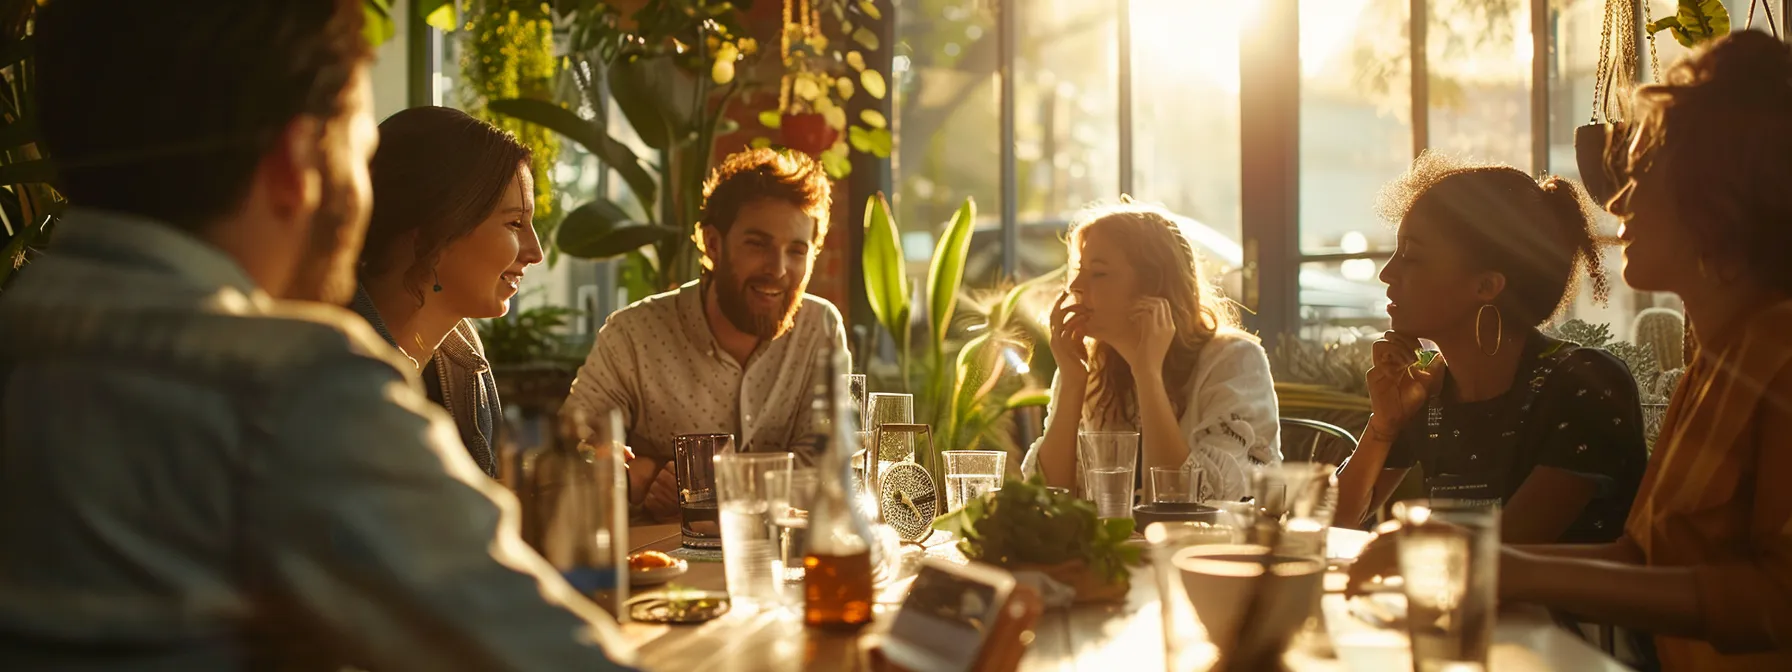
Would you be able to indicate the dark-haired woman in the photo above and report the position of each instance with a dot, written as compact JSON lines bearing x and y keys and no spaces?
{"x":451,"y":235}
{"x":1549,"y":431}
{"x":1705,"y":563}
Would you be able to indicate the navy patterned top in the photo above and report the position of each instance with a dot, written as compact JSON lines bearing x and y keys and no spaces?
{"x":1571,"y":408}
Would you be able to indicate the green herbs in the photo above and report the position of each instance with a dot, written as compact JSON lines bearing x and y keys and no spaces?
{"x":1026,"y":523}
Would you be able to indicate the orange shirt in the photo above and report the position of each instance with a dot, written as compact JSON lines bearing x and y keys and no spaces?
{"x":1717,"y":498}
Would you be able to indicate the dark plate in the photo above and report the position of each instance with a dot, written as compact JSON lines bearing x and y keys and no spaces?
{"x":693,"y":607}
{"x":1146,"y":514}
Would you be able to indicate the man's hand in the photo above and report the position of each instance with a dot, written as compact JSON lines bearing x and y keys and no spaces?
{"x":662,"y":496}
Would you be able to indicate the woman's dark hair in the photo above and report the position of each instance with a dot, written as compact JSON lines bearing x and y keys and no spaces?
{"x":1537,"y":234}
{"x":164,"y":109}
{"x":438,"y":173}
{"x":1724,"y":114}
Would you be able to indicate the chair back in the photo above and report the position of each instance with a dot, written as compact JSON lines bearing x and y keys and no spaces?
{"x":1306,"y":440}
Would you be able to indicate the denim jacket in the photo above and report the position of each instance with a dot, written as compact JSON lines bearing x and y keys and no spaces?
{"x":195,"y":476}
{"x":459,"y":379}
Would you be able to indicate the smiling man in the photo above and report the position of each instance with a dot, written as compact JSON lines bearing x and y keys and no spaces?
{"x":730,"y":353}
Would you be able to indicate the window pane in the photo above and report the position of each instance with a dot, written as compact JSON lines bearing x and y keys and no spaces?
{"x":947,"y":122}
{"x":1067,"y":139}
{"x":1355,"y":120}
{"x":1185,"y":109}
{"x":1478,"y":53}
{"x":1342,"y":296}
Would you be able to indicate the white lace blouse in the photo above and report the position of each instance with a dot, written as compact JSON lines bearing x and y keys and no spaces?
{"x":1228,"y":423}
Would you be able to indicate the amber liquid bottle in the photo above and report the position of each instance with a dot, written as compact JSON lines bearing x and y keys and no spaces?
{"x":837,"y":564}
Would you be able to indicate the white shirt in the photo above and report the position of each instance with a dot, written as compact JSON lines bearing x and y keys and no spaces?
{"x":1229,"y":422}
{"x":658,"y":362}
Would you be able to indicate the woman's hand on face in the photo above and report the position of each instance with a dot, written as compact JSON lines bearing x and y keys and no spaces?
{"x":1154,"y":330}
{"x":1068,"y":347}
{"x":1398,"y":383}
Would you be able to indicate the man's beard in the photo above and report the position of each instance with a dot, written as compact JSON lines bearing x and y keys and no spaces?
{"x":326,"y":271}
{"x":731,"y":297}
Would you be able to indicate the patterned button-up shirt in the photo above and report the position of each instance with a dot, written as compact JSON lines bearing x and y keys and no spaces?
{"x":659,"y":364}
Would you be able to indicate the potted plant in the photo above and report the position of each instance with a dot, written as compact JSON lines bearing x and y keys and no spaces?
{"x":1599,"y":145}
{"x":968,"y":381}
{"x":1027,"y":526}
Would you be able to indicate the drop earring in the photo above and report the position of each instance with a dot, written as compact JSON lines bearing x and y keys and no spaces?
{"x":438,"y":287}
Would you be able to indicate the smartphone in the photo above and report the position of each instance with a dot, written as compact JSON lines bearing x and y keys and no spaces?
{"x":948,"y":616}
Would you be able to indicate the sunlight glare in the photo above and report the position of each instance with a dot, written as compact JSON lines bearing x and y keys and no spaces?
{"x":1203,"y":35}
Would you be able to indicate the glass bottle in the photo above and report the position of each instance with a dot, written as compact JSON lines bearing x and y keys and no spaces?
{"x":837,"y":566}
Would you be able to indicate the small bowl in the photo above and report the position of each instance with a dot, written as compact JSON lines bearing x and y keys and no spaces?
{"x":658,"y":575}
{"x":1168,"y":512}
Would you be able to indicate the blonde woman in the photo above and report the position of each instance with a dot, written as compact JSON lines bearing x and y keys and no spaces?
{"x":1143,"y":345}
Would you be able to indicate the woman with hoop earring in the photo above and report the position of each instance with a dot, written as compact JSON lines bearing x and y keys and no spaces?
{"x":1547,"y":430}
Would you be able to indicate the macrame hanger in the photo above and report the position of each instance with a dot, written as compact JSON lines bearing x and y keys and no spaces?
{"x":1772,"y":25}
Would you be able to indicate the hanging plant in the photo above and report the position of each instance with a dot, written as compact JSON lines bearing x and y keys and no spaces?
{"x":507,"y":51}
{"x":821,"y":77}
{"x":1694,"y":21}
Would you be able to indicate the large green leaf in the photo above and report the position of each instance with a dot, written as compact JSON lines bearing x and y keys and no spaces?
{"x":946,"y":272}
{"x":886,"y":281}
{"x":377,"y":25}
{"x":588,"y":132}
{"x":444,"y":15}
{"x":643,"y":100}
{"x":601,"y":229}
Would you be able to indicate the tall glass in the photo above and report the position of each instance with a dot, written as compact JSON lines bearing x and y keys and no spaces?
{"x":1449,"y":562}
{"x":893,"y":409}
{"x":749,"y":538}
{"x":693,"y":461}
{"x":791,"y":493}
{"x":971,"y":473}
{"x":1109,"y":461}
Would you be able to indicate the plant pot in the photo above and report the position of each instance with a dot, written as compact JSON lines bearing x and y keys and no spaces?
{"x":1599,"y":152}
{"x":1089,"y":586}
{"x":807,"y":132}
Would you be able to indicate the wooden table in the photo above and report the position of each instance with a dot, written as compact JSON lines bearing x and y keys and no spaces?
{"x":1093,"y":638}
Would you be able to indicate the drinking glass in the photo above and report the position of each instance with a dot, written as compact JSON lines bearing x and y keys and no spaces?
{"x":693,"y":461}
{"x":1109,"y":461}
{"x":1175,"y":485}
{"x":791,"y":494}
{"x":750,"y":561}
{"x":1449,"y":562}
{"x":971,"y":473}
{"x":855,"y":388}
{"x":1298,"y":498}
{"x":893,"y":409}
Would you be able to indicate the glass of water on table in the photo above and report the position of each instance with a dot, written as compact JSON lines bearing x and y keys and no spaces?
{"x":971,"y":473}
{"x":693,"y":461}
{"x":750,"y":561}
{"x":790,"y":494}
{"x":1108,"y":462}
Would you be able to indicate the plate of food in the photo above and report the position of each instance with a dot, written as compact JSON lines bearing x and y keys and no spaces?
{"x":647,"y":568}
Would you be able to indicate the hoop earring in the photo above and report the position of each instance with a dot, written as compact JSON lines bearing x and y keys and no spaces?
{"x":1499,"y":325}
{"x":438,"y":288}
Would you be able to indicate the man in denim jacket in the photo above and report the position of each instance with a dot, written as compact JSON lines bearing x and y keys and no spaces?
{"x":203,"y":464}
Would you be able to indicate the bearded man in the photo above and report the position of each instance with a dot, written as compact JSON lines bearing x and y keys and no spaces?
{"x":732,"y":352}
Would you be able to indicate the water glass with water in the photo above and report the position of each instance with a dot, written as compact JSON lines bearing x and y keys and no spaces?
{"x":693,"y":461}
{"x":1449,"y":562}
{"x":791,"y":493}
{"x":750,"y":561}
{"x":1175,"y":485}
{"x":972,"y":473}
{"x":892,"y":409}
{"x":1108,"y":461}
